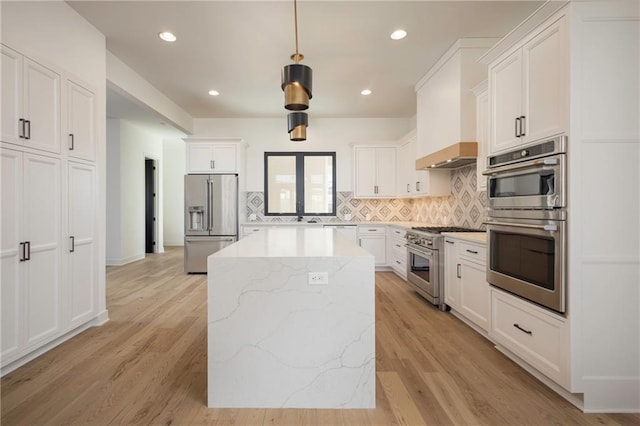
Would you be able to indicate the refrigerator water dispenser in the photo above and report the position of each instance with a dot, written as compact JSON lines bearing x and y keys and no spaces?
{"x":196,"y":218}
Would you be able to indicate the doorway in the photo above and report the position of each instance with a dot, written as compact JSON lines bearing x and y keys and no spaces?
{"x":150,"y":205}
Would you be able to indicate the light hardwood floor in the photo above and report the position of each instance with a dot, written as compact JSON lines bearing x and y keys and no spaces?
{"x":147,"y":365}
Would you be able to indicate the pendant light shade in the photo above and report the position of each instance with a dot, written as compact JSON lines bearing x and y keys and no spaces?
{"x":296,"y":83}
{"x":297,"y":126}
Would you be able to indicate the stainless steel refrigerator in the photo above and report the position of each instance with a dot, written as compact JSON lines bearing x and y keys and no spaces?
{"x":210,"y":217}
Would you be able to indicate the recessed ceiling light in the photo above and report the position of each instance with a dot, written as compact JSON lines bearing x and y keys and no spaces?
{"x":167,"y":36}
{"x":214,"y":92}
{"x":398,"y":34}
{"x":365,"y":92}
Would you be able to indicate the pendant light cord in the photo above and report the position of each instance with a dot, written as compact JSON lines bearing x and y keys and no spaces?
{"x":295,"y":14}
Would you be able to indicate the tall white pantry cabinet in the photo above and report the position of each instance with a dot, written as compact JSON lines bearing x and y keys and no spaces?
{"x":574,"y":69}
{"x":49,"y":219}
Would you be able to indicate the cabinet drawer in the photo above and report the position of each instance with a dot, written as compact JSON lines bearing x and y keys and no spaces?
{"x":371,"y":230}
{"x":247,"y":230}
{"x":537,"y":337}
{"x":398,"y":233}
{"x":473,"y":252}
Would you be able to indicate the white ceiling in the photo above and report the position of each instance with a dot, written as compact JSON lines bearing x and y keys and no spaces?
{"x":239,"y":48}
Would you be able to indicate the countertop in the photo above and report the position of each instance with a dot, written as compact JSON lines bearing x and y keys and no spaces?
{"x":277,"y":241}
{"x":405,"y":225}
{"x":474,"y":237}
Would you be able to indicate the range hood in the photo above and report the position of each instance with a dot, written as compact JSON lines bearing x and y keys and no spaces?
{"x":451,"y":157}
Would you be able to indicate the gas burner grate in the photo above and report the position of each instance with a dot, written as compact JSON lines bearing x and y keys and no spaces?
{"x":440,"y":229}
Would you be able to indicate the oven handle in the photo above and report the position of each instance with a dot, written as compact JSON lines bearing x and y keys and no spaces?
{"x":542,"y":164}
{"x":419,"y":252}
{"x":551,"y":228}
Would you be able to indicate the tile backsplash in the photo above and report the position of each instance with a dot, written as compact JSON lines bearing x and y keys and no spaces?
{"x":464,"y":207}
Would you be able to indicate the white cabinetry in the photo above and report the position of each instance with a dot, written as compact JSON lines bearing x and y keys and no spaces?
{"x":31,"y":289}
{"x":529,"y":90}
{"x":373,"y":239}
{"x":412,"y":182}
{"x":482,"y":132}
{"x":212,"y":155}
{"x":348,"y":231}
{"x":375,"y":171}
{"x":466,"y":287}
{"x":82,"y":258}
{"x":30,"y":103}
{"x":537,"y":336}
{"x":397,"y":250}
{"x":81,"y":122}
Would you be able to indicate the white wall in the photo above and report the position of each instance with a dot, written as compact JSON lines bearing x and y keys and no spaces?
{"x":113,"y":249}
{"x":323,"y":134}
{"x":135,"y":144}
{"x":34,"y":29}
{"x":173,"y":180}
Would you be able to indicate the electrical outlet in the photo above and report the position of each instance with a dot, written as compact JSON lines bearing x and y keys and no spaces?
{"x":318,"y":278}
{"x":252,"y":217}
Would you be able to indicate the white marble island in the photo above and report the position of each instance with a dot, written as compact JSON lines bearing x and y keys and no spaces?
{"x":277,"y":341}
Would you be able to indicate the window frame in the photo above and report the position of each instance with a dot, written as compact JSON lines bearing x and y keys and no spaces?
{"x":300,"y":205}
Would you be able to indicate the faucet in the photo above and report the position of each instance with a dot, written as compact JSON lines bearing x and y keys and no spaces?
{"x":299,"y":218}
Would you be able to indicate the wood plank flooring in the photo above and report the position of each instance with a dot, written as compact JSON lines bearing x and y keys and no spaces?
{"x":147,"y":365}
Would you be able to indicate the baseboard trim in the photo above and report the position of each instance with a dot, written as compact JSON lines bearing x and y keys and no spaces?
{"x":124,"y":261}
{"x":100,"y":319}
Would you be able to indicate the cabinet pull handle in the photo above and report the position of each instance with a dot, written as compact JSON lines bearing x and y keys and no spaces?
{"x":398,"y":245}
{"x":408,"y":190}
{"x":73,"y":244}
{"x":27,"y":245}
{"x":360,"y":242}
{"x":71,"y":148}
{"x":398,"y":262}
{"x":22,"y":252}
{"x":449,"y":242}
{"x":28,"y":131}
{"x":418,"y":186}
{"x":523,"y":123}
{"x":458,"y":272}
{"x":529,"y":332}
{"x":517,"y":130}
{"x":472,"y":251}
{"x":212,"y":164}
{"x":21,"y":130}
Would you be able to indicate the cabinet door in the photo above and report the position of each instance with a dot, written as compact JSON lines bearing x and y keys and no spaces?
{"x":10,"y":254}
{"x":386,"y":172}
{"x":451,"y":274}
{"x":199,"y":158}
{"x":404,"y":173}
{"x":482,"y":137}
{"x":224,"y":158}
{"x":41,"y":107}
{"x":505,"y":84}
{"x":375,"y":244}
{"x":546,"y":83}
{"x":81,"y":127}
{"x":11,"y":99}
{"x":365,"y":172}
{"x":475,"y":296}
{"x":41,"y":215}
{"x":82,"y":254}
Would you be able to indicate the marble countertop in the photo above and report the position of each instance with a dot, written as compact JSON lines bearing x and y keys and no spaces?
{"x":406,"y":225}
{"x":310,"y":241}
{"x":474,"y":237}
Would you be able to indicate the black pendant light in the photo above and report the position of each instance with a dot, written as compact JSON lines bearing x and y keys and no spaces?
{"x":296,"y":83}
{"x":297,"y":123}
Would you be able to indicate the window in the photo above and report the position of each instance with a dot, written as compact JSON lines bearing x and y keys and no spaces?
{"x":300,"y":183}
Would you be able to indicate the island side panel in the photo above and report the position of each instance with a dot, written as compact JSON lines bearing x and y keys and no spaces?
{"x":274,"y":341}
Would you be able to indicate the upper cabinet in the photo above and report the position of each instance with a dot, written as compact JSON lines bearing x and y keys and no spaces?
{"x":30,"y":103}
{"x":529,"y":90}
{"x":375,"y":171}
{"x":412,"y":182}
{"x":482,"y":132}
{"x":81,"y":130}
{"x":446,"y":106}
{"x":212,"y":156}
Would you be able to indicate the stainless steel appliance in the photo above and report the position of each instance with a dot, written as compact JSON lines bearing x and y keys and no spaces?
{"x":526,"y":223}
{"x":425,"y":266}
{"x":210,"y":218}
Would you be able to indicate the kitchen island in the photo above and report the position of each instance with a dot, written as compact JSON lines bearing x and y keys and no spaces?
{"x":291,"y":322}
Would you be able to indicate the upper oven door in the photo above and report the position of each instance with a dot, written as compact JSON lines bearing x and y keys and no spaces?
{"x":534,"y":184}
{"x":527,"y":258}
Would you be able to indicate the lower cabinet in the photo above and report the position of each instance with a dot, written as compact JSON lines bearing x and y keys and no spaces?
{"x":397,"y":250}
{"x":373,"y":239}
{"x":466,"y":288}
{"x":534,"y":334}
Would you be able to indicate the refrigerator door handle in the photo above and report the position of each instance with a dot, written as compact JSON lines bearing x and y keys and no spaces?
{"x":210,"y":204}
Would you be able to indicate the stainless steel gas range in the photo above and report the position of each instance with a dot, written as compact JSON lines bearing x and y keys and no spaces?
{"x":425,"y":266}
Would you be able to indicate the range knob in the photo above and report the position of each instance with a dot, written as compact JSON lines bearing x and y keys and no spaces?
{"x":524,"y":153}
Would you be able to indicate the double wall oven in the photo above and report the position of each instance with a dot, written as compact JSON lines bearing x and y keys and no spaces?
{"x":526,"y":223}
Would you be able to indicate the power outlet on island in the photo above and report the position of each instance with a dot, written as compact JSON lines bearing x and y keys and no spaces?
{"x":318,"y":278}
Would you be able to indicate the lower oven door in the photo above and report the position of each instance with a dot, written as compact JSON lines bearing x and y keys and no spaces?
{"x":527,"y":258}
{"x":422,"y":272}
